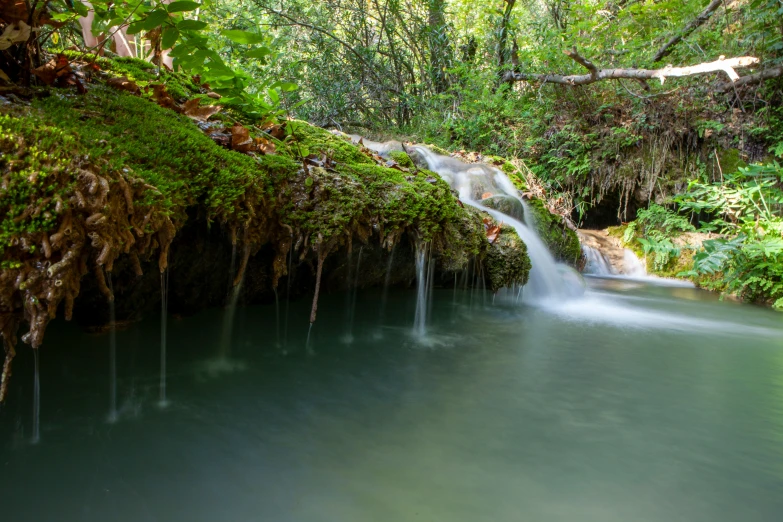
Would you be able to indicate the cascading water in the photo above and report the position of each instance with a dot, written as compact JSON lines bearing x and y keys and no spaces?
{"x":490,"y":190}
{"x":350,"y":304}
{"x":596,"y":262}
{"x":164,"y":305}
{"x":423,"y":288}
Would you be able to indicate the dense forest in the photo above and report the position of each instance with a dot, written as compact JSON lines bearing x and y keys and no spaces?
{"x":660,"y":121}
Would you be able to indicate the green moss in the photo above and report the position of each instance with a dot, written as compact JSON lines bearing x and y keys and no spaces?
{"x":507,"y":261}
{"x":561,"y":240}
{"x":308,"y":139}
{"x":730,"y":161}
{"x":402,"y":159}
{"x":110,"y":131}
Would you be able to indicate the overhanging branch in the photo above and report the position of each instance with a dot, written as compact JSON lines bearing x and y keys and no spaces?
{"x":726,"y":65}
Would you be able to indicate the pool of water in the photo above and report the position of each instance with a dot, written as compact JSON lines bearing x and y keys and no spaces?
{"x":637,"y":402}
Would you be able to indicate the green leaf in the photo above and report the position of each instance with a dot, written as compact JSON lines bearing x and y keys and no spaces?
{"x":182,"y":6}
{"x":260,"y":53}
{"x":80,"y":8}
{"x":191,"y":25}
{"x":153,"y":20}
{"x":242,"y":37}
{"x":169,"y":37}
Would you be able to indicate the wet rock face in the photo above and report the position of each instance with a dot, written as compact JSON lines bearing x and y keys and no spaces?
{"x":507,"y":262}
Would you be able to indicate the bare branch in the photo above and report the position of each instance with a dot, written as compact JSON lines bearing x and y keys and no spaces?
{"x":688,"y":29}
{"x":766,"y":74}
{"x":581,"y":60}
{"x":722,"y":64}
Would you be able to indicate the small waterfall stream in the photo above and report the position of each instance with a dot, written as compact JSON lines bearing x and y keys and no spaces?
{"x":113,"y":416}
{"x":353,"y":281}
{"x":596,"y":262}
{"x":486,"y":188}
{"x":424,"y":271}
{"x":164,"y":306}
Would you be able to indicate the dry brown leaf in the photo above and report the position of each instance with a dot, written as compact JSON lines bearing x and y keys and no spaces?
{"x":58,"y":72}
{"x":265,"y":146}
{"x":240,"y":139}
{"x":162,"y":97}
{"x":124,"y":84}
{"x":276,"y":131}
{"x":194,"y":110}
{"x":486,"y":195}
{"x":214,"y":95}
{"x":493,"y":232}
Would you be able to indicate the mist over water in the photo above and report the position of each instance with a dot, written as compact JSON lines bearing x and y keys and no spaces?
{"x":634,"y":402}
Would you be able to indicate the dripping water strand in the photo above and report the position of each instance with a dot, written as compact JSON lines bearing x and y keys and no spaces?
{"x":112,"y":354}
{"x":277,"y":318}
{"x":36,"y":402}
{"x":351,"y":305}
{"x":288,"y":294}
{"x":164,"y":306}
{"x":423,"y":283}
{"x":386,"y":281}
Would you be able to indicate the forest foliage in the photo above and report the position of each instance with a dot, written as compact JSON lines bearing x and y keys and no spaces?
{"x":477,"y":75}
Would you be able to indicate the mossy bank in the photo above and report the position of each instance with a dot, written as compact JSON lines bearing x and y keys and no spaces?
{"x":97,"y":187}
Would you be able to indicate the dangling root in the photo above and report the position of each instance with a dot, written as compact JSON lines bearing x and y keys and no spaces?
{"x":99,"y":277}
{"x":318,"y":272}
{"x":242,"y":265}
{"x":8,"y":326}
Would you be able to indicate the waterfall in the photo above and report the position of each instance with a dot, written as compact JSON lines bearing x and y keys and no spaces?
{"x":36,"y":402}
{"x":597,"y":263}
{"x":228,"y":320}
{"x":486,"y":188}
{"x":423,"y":287}
{"x":288,"y":295}
{"x":350,"y":304}
{"x":164,"y":306}
{"x":634,"y":267}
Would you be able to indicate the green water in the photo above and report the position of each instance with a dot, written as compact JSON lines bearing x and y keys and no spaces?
{"x":636,"y":403}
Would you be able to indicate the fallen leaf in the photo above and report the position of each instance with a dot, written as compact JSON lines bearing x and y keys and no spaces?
{"x":14,"y":33}
{"x":265,"y":146}
{"x":393,"y":165}
{"x":493,"y":232}
{"x":193,"y":109}
{"x":276,"y":131}
{"x":486,"y":195}
{"x":124,"y":84}
{"x":214,"y":95}
{"x":58,"y":72}
{"x":162,"y":97}
{"x":240,"y":139}
{"x":13,"y":11}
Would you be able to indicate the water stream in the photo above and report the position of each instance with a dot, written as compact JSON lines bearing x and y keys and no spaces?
{"x":620,"y":399}
{"x":164,"y":307}
{"x":633,"y":402}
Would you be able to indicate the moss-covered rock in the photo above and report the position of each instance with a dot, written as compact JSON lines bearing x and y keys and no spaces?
{"x":402,"y":159}
{"x":561,"y":240}
{"x":110,"y":178}
{"x":507,"y":261}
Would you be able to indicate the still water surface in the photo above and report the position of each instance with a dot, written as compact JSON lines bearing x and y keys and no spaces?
{"x":636,"y":403}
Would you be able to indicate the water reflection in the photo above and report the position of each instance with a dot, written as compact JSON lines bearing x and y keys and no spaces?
{"x":638,"y":403}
